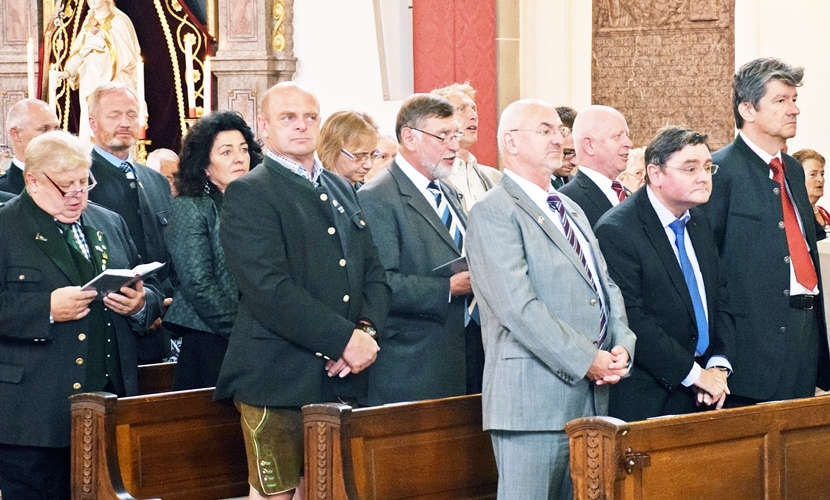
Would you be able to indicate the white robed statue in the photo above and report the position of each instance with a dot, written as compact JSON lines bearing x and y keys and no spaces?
{"x":106,"y":49}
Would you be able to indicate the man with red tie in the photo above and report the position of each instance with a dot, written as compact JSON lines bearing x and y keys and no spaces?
{"x":763,"y":226}
{"x":600,"y":135}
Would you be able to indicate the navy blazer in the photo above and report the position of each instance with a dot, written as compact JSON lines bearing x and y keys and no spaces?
{"x":642,"y":262}
{"x":38,"y":359}
{"x":590,"y":198}
{"x":744,"y":212}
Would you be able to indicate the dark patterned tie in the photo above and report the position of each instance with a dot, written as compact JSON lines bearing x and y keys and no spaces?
{"x":446,"y":215}
{"x":127,"y":169}
{"x":556,"y":205}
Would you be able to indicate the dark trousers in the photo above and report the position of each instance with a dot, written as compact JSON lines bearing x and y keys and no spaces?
{"x":474,"y":353}
{"x":34,"y":473}
{"x":199,"y":360}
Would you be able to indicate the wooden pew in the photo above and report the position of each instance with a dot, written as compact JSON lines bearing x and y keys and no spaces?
{"x":174,"y":446}
{"x":156,"y":377}
{"x":425,"y":450}
{"x":771,"y":451}
{"x":182,"y":445}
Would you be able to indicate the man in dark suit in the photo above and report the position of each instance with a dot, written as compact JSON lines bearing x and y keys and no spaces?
{"x":135,"y":192}
{"x":55,"y":340}
{"x":661,"y":254}
{"x":423,"y":344}
{"x":312,"y":291}
{"x":758,"y":215}
{"x":4,"y":197}
{"x":564,"y":173}
{"x":27,"y":119}
{"x":601,"y":140}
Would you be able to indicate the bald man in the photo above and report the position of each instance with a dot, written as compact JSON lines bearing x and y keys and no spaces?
{"x":312,"y":291}
{"x":554,"y":325}
{"x":601,"y":141}
{"x":27,"y":119}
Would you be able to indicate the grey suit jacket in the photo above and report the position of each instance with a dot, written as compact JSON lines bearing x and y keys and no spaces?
{"x":422,"y":347}
{"x":540,"y":313}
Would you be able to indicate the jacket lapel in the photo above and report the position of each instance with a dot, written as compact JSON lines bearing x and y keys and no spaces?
{"x":546,"y":225}
{"x":97,"y":242}
{"x":49,"y":240}
{"x":657,"y":234}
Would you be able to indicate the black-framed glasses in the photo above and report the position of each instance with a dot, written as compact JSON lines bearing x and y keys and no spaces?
{"x":694,"y":171}
{"x":361,"y":158}
{"x":545,"y":130}
{"x":74,"y":192}
{"x":568,"y":154}
{"x":445,"y":137}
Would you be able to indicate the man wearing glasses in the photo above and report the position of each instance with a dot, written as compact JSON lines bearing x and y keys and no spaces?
{"x":55,"y":339}
{"x":135,"y":192}
{"x":564,"y":173}
{"x":601,"y":141}
{"x":661,"y":253}
{"x":418,"y":226}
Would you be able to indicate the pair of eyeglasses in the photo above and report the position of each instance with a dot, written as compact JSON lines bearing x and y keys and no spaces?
{"x":361,"y":158}
{"x":91,"y":183}
{"x":568,"y":154}
{"x":545,"y":131}
{"x":694,"y":171}
{"x":445,"y":137}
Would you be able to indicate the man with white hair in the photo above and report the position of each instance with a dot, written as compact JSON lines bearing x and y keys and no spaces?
{"x":554,"y":326}
{"x":27,"y":119}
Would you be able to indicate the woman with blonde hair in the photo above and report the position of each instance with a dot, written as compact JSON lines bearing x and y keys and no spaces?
{"x":348,"y":145}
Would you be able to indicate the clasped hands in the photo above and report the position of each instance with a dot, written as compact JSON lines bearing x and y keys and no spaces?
{"x":609,"y":367}
{"x":360,"y":352}
{"x":711,"y":388}
{"x":70,"y":303}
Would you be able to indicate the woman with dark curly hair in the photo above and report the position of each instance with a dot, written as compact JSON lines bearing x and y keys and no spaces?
{"x":218,"y":149}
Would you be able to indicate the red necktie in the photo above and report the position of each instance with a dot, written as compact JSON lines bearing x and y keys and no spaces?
{"x":617,"y":187}
{"x":805,"y":271}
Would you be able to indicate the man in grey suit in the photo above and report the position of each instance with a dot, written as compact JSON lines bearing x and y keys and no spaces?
{"x":554,"y":325}
{"x":423,"y":347}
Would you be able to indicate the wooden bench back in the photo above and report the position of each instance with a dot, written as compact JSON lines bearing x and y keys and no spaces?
{"x":174,"y":446}
{"x":772,"y":451}
{"x":425,"y":450}
{"x":156,"y":377}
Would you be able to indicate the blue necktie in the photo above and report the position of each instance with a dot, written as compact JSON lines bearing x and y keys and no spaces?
{"x":555,"y":203}
{"x":679,"y":228}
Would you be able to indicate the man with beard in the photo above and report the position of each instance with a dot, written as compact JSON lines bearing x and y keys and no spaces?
{"x":418,"y":226}
{"x":135,"y":192}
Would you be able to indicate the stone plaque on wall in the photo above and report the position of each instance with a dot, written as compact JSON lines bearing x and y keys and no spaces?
{"x":666,"y":62}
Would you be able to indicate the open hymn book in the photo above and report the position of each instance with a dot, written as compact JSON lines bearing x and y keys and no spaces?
{"x":112,"y":280}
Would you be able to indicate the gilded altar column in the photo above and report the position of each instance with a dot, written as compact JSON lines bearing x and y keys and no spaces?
{"x":255,"y":51}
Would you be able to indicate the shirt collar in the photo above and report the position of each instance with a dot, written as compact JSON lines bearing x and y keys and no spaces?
{"x":111,"y":158}
{"x":534,"y":192}
{"x":663,"y":213}
{"x":417,"y":178}
{"x":758,"y":151}
{"x":603,"y":182}
{"x":297,"y":168}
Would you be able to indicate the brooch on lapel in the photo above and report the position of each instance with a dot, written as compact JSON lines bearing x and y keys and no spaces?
{"x":101,"y":248}
{"x":38,"y":237}
{"x":540,"y":220}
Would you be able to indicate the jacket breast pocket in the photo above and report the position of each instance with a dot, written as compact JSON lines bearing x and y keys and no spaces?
{"x":163,"y":217}
{"x":12,"y":374}
{"x":358,"y":220}
{"x":513,"y":350}
{"x":23,"y":278}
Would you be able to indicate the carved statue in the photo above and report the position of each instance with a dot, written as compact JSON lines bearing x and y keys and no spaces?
{"x":106,"y":49}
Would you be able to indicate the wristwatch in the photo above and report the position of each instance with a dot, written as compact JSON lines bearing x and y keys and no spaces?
{"x":368,"y":329}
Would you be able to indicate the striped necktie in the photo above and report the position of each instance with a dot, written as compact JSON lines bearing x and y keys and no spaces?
{"x":617,"y":187}
{"x":446,"y":216}
{"x":555,"y":203}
